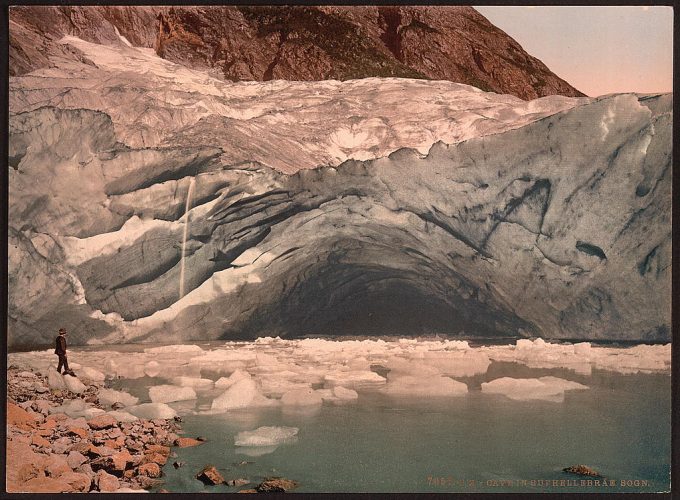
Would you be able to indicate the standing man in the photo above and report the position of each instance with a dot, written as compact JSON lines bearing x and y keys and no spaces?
{"x":60,"y":351}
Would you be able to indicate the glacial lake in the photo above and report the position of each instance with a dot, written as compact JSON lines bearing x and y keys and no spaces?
{"x":478,"y":442}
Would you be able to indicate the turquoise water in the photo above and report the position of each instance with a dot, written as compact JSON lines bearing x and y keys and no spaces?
{"x":621,"y":427}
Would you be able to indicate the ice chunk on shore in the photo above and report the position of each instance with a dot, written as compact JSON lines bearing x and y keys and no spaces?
{"x":73,"y":384}
{"x":55,"y":380}
{"x":301,"y":397}
{"x":122,"y":416}
{"x":172,"y":349}
{"x":523,"y":389}
{"x":266,"y":436}
{"x":87,"y":373}
{"x":437,"y":386}
{"x":89,"y":413}
{"x":152,"y":410}
{"x":199,"y":384}
{"x":170,"y":393}
{"x":226,"y":382}
{"x":110,"y":396}
{"x":243,"y":394}
{"x":71,"y":407}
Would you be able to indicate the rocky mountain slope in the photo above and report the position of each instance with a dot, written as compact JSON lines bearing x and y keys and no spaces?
{"x":149,"y":201}
{"x":296,"y":43}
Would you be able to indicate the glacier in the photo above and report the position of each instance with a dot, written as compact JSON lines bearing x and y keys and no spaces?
{"x":365,"y":207}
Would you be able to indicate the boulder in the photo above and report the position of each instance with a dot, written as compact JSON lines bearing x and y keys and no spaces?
{"x":39,"y":441}
{"x":78,"y":481}
{"x":276,"y":485}
{"x":19,"y":417}
{"x":57,"y":465}
{"x":75,"y":459}
{"x":105,"y":481}
{"x":582,"y":470}
{"x":149,"y":470}
{"x":103,"y":421}
{"x":120,"y":460}
{"x":210,"y":476}
{"x":184,"y":442}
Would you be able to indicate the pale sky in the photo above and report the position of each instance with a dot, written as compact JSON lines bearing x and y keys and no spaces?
{"x":598,"y":50}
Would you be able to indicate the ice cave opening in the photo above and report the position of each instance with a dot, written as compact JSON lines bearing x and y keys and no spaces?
{"x":358,"y":288}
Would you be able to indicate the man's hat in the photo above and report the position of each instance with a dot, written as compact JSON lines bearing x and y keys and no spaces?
{"x":62,"y":330}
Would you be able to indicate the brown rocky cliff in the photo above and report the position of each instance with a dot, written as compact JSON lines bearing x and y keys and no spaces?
{"x":298,"y":43}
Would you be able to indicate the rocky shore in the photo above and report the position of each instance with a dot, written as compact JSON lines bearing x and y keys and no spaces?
{"x":50,"y":451}
{"x":73,"y":435}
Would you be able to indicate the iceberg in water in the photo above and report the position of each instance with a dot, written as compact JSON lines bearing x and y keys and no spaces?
{"x":431,"y":386}
{"x":226,"y":382}
{"x":170,"y":393}
{"x":243,"y":394}
{"x":524,"y":389}
{"x":301,"y":397}
{"x":266,"y":436}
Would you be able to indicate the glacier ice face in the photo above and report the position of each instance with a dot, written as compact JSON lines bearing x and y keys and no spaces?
{"x":266,"y":436}
{"x":504,"y":216}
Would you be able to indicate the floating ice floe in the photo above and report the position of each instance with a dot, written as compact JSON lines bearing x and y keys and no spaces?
{"x":430,"y":386}
{"x":226,"y":382}
{"x":301,"y":397}
{"x":110,"y":396}
{"x":255,"y":451}
{"x":583,"y":357}
{"x":172,"y":349}
{"x":523,"y":389}
{"x":170,"y":393}
{"x":458,"y":363}
{"x":243,"y":394}
{"x":354,"y":379}
{"x":152,"y":410}
{"x":344,"y":393}
{"x":266,"y":436}
{"x":199,"y":384}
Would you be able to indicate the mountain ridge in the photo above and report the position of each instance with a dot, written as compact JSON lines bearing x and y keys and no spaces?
{"x":261,"y":43}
